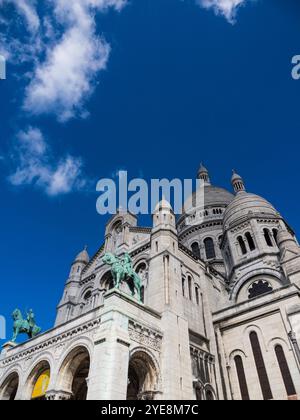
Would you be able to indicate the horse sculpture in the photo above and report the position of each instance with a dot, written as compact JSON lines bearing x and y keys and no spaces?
{"x":122,"y":270}
{"x":24,"y":326}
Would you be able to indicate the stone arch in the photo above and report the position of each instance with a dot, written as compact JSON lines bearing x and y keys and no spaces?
{"x":143,"y":375}
{"x":264,"y":273}
{"x":199,"y":390}
{"x":73,"y":373}
{"x":9,"y":387}
{"x":279,"y":341}
{"x":246,"y":340}
{"x":209,"y":393}
{"x":141,"y":267}
{"x":106,"y":281}
{"x":237,"y":352}
{"x":42,"y":367}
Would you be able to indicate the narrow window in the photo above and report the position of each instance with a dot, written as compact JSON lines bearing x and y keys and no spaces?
{"x":250,"y":241}
{"x":260,"y":367}
{"x":242,"y":378}
{"x":242,"y":245}
{"x":275,"y":234}
{"x":143,"y":294}
{"x":190,"y":287}
{"x":183,"y":287}
{"x":285,"y":371}
{"x":209,"y":396}
{"x":196,"y":249}
{"x":209,"y":248}
{"x":197,"y":295}
{"x":268,"y":237}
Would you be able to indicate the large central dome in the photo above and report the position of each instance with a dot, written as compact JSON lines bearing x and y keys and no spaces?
{"x":208,"y":203}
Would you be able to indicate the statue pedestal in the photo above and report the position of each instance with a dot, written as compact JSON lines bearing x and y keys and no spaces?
{"x":7,"y":346}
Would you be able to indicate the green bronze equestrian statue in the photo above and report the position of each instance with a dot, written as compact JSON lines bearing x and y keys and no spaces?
{"x":122,"y":270}
{"x":24,"y":326}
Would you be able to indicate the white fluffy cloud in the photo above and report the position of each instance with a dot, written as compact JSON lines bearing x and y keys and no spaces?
{"x":65,"y":51}
{"x":227,"y":8}
{"x":34,"y":164}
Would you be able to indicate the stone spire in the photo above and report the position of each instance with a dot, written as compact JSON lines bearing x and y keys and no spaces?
{"x":237,"y":183}
{"x":83,"y":256}
{"x":203,"y":174}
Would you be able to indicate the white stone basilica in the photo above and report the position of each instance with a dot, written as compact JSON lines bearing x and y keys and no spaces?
{"x":220,"y":318}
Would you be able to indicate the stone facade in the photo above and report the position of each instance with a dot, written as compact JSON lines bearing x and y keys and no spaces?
{"x":220,"y":318}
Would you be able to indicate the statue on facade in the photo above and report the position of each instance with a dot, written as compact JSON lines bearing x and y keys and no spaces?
{"x":122,"y":270}
{"x":25,"y":326}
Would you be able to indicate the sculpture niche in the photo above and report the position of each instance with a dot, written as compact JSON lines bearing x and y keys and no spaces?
{"x":24,"y":326}
{"x":122,"y":270}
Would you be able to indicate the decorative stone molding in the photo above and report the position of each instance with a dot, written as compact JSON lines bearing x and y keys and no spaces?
{"x":145,"y":336}
{"x":87,"y":279}
{"x":58,"y":396}
{"x":27,"y":354}
{"x":239,"y":228}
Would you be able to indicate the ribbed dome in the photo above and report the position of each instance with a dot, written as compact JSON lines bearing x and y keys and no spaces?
{"x":83,"y":256}
{"x":245,"y":203}
{"x":213,"y":196}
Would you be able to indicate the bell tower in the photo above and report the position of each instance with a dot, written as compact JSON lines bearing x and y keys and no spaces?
{"x":67,"y":302}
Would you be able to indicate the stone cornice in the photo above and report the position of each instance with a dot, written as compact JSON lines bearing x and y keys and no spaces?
{"x":59,"y":338}
{"x":196,"y":228}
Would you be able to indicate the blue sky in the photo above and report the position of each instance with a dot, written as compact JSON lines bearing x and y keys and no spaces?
{"x":151,"y":86}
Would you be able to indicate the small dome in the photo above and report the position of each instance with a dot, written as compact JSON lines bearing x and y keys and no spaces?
{"x":245,"y":203}
{"x":163,"y":205}
{"x":83,"y":256}
{"x":236,"y":177}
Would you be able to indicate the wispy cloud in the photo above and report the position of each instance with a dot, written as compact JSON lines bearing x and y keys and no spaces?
{"x":34,"y":164}
{"x":226,"y":8}
{"x":61,"y":42}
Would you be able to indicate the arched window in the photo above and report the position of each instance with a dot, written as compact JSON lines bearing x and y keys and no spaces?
{"x":250,"y":241}
{"x":242,"y":378}
{"x":197,"y":295}
{"x":242,"y":245}
{"x":88,"y":295}
{"x":260,"y":367}
{"x":275,"y":234}
{"x":268,"y":237}
{"x":285,"y":371}
{"x":190,"y":287}
{"x":209,"y":248}
{"x":259,"y":288}
{"x":209,"y":395}
{"x":196,"y":249}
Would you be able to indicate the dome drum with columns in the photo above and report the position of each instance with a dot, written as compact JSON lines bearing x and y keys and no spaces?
{"x":217,"y":315}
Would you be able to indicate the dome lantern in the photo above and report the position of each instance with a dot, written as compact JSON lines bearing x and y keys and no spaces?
{"x":83,"y":257}
{"x":237,"y":183}
{"x":203,"y":174}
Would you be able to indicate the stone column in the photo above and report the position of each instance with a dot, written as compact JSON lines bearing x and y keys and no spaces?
{"x":108,"y":378}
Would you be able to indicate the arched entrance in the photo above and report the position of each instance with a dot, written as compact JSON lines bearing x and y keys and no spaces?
{"x":74,"y":373}
{"x":38,"y":381}
{"x":142,"y":377}
{"x":9,"y":388}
